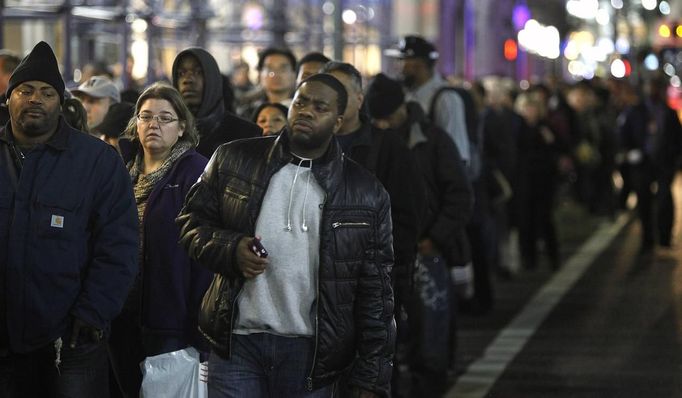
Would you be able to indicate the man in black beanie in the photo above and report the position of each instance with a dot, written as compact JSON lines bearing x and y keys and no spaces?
{"x":68,"y":242}
{"x":442,"y":238}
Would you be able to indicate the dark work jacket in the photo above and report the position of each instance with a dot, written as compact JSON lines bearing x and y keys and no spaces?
{"x":667,"y":143}
{"x":68,"y":237}
{"x":354,"y":327}
{"x":448,"y":192}
{"x":393,"y":164}
{"x":173,"y":285}
{"x":216,"y":126}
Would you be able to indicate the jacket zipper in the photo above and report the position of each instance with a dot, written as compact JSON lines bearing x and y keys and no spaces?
{"x":317,"y":316}
{"x":349,"y":224}
{"x":237,"y":195}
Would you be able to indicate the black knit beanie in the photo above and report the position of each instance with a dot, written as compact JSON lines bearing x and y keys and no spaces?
{"x":41,"y":65}
{"x":384,"y":96}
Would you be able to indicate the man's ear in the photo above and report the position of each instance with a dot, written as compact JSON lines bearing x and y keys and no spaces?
{"x":361,"y":99}
{"x":338,"y":124}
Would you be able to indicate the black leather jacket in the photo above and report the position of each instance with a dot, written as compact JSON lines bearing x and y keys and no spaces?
{"x":354,"y":323}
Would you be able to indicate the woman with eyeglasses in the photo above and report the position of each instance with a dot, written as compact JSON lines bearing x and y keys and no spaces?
{"x":160,"y":314}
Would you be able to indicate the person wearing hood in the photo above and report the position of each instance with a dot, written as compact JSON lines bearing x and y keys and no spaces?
{"x":318,"y":302}
{"x":449,"y":206}
{"x":197,"y":77}
{"x":68,"y":242}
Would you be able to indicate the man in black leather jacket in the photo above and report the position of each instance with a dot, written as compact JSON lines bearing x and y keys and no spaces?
{"x":321,"y":303}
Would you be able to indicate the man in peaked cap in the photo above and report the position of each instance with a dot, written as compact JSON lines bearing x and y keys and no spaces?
{"x":424,"y":86}
{"x":97,"y":94}
{"x":68,"y":242}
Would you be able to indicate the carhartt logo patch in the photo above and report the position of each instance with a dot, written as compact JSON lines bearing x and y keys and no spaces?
{"x":57,"y":221}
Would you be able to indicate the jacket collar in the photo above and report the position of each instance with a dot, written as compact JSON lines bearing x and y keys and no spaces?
{"x":415,"y":119}
{"x":326,"y":169}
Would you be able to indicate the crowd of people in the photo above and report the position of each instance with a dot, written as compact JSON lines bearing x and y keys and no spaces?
{"x":316,"y":253}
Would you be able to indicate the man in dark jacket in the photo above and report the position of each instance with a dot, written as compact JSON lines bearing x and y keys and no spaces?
{"x":651,"y":137}
{"x":442,"y":234}
{"x":321,"y":303}
{"x":68,"y":242}
{"x":197,"y":77}
{"x":387,"y":157}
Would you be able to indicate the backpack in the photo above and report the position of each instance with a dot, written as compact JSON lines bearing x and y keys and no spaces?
{"x":474,"y":133}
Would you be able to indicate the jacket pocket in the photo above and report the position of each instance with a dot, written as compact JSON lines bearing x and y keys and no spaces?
{"x":56,"y":220}
{"x":351,"y":238}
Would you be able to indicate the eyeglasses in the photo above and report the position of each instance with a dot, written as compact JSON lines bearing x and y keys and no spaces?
{"x":162,"y":119}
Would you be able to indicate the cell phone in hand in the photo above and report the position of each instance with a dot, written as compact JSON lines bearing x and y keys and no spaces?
{"x":258,"y":248}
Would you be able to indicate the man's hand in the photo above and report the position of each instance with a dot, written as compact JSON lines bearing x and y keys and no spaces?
{"x":81,"y":328}
{"x":248,"y":262}
{"x":426,"y":247}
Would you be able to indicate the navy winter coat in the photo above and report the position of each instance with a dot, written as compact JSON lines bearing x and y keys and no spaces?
{"x":68,"y":237}
{"x":172,"y":284}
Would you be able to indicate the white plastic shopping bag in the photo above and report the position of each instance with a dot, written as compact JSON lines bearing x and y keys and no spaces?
{"x":173,"y":375}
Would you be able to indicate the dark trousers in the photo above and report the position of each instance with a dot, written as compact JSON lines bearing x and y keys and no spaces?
{"x":536,"y":219}
{"x":126,"y":353}
{"x":83,"y":372}
{"x":659,"y":207}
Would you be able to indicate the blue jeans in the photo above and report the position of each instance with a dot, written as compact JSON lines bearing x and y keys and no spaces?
{"x":83,"y":372}
{"x":264,"y":365}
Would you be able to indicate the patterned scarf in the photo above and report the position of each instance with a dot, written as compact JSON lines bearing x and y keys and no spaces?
{"x":143,"y":185}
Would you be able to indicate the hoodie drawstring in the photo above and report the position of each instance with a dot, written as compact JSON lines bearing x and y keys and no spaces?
{"x":304,"y":226}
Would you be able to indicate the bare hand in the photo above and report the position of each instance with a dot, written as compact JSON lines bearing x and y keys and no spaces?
{"x":426,"y":247}
{"x":91,"y":333}
{"x":248,"y":262}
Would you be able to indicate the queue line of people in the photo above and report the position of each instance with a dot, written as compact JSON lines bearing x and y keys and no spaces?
{"x":368,"y":202}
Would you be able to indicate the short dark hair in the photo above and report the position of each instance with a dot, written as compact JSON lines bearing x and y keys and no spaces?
{"x":276,"y":51}
{"x":10,"y":61}
{"x":165,"y":91}
{"x":314,"y":56}
{"x":345,"y":68}
{"x":333,"y":83}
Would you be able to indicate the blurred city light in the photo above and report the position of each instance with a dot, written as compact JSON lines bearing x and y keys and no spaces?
{"x":617,"y":4}
{"x":664,"y":30}
{"x":669,"y":69}
{"x":585,"y":9}
{"x":664,"y":8}
{"x":510,"y":50}
{"x":651,"y":62}
{"x":603,"y":17}
{"x":649,"y":4}
{"x":618,"y":68}
{"x":675,"y":81}
{"x":520,"y":15}
{"x":349,"y":17}
{"x":328,"y":8}
{"x":622,"y":45}
{"x":139,"y":26}
{"x":539,"y":39}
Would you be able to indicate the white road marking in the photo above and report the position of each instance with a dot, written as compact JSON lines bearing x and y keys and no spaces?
{"x":484,"y":372}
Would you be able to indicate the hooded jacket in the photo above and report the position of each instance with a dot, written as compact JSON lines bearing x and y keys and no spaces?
{"x":354,"y":326}
{"x":216,"y":126}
